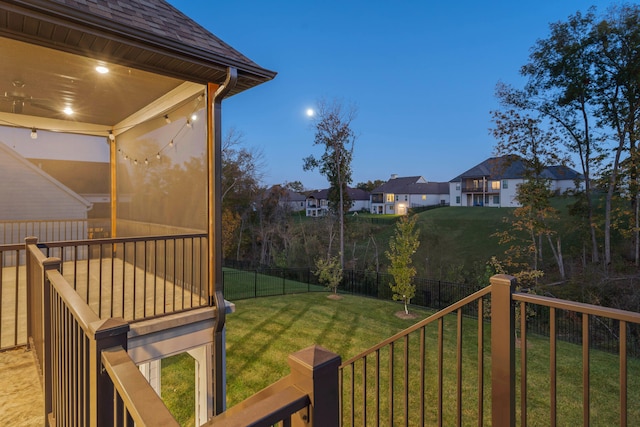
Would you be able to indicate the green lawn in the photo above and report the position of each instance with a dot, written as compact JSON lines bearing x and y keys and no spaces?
{"x":264,"y":331}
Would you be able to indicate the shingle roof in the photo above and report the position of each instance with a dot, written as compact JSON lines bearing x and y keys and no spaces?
{"x":412,"y":185}
{"x":155,"y":17}
{"x":354,"y":194}
{"x":150,"y":35}
{"x":512,"y":167}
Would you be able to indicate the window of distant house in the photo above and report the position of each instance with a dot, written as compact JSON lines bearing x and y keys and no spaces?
{"x":406,"y":197}
{"x":496,"y":200}
{"x":424,"y":197}
{"x":397,"y":198}
{"x":457,"y":200}
{"x":495,"y":185}
{"x":486,"y":199}
{"x":457,"y":186}
{"x":505,"y":184}
{"x":390,"y":198}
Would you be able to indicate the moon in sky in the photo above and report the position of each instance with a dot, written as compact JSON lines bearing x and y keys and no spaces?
{"x":310,"y":112}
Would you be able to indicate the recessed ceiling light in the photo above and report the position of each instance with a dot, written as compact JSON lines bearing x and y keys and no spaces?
{"x":102,"y":69}
{"x":68,"y":111}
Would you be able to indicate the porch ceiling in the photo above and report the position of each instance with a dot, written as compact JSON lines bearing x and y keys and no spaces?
{"x":49,"y":50}
{"x":42,"y":82}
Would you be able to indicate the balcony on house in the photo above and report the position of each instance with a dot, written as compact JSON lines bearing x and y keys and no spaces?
{"x":480,"y":185}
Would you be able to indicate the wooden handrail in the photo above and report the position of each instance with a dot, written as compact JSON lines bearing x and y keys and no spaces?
{"x":306,"y":397}
{"x":138,"y":397}
{"x":275,"y":403}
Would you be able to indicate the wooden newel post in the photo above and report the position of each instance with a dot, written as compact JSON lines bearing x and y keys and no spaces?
{"x":106,"y":334}
{"x":315,"y":371}
{"x":503,"y":348}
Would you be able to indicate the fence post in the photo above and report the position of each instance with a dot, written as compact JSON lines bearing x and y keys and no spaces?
{"x":103,"y":334}
{"x":255,"y":283}
{"x":315,"y":371}
{"x":503,"y":367}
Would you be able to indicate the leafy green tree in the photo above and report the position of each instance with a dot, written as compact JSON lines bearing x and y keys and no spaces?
{"x":584,"y":78}
{"x":402,"y":246}
{"x":533,"y":149}
{"x":370,"y":185}
{"x":329,"y":272}
{"x":333,"y":131}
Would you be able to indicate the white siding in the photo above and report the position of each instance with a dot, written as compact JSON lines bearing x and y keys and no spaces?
{"x":29,"y":194}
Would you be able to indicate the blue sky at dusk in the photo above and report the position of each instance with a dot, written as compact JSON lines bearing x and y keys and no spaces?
{"x":421,"y":73}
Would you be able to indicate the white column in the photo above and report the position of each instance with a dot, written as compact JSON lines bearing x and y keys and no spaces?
{"x":203,"y":383}
{"x":151,"y":371}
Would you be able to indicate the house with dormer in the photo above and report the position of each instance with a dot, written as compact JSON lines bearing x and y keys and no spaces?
{"x":399,"y":194}
{"x":495,"y":182}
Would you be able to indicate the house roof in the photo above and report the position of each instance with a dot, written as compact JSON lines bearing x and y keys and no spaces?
{"x":151,"y":46}
{"x":512,"y":167}
{"x":354,"y":194}
{"x":7,"y":152}
{"x":81,"y":177}
{"x":412,"y":185}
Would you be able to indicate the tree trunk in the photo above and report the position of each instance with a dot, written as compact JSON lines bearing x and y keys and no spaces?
{"x":557,"y":254}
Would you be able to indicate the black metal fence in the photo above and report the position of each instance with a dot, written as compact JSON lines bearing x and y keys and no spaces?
{"x":242,"y":284}
{"x":434,"y":294}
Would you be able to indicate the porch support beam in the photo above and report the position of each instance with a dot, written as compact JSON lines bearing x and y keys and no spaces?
{"x":215,"y":94}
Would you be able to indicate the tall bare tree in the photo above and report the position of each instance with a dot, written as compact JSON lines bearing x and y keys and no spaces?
{"x":334,"y":133}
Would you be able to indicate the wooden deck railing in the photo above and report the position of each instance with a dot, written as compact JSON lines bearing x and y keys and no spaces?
{"x":306,"y":397}
{"x":72,"y":345}
{"x":456,"y":367}
{"x":416,"y":376}
{"x":136,"y":278}
{"x":15,"y":231}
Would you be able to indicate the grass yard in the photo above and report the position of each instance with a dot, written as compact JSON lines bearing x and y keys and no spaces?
{"x":264,"y":331}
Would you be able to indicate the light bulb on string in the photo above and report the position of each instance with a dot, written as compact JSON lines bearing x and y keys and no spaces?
{"x":146,"y":161}
{"x":158,"y":156}
{"x":34,"y":133}
{"x":189,"y":123}
{"x":171,"y":143}
{"x":112,"y":137}
{"x":167,"y":119}
{"x":135,"y":162}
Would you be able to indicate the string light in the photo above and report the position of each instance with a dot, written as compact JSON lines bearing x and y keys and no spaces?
{"x":172,"y":142}
{"x":34,"y":133}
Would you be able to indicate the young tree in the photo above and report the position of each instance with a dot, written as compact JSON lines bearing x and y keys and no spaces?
{"x":402,"y":246}
{"x":333,"y":131}
{"x":329,"y":272}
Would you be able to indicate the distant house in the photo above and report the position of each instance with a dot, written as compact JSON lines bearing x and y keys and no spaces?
{"x":495,"y":181}
{"x":317,"y":202}
{"x":291,"y":200}
{"x":399,"y":194}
